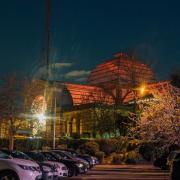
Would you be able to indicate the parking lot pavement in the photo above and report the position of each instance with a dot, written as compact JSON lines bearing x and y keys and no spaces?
{"x":125,"y":172}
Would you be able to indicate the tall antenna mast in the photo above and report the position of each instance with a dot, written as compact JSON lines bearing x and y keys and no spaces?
{"x":47,"y":59}
{"x":47,"y":36}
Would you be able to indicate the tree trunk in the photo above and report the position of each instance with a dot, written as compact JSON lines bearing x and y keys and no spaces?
{"x":11,"y":139}
{"x":11,"y":143}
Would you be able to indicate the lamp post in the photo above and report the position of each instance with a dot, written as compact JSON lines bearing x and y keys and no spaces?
{"x":140,"y":91}
{"x":54,"y":123}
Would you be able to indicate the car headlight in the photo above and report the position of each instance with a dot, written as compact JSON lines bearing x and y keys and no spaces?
{"x":57,"y":166}
{"x":46,"y":169}
{"x":64,"y":168}
{"x":29,"y":168}
{"x":80,"y":165}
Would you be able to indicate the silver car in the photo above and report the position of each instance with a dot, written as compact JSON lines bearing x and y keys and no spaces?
{"x":18,"y":169}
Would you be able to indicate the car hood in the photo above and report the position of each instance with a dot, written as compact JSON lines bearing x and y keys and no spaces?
{"x":81,"y":160}
{"x":22,"y":162}
{"x":54,"y":162}
{"x":69,"y":160}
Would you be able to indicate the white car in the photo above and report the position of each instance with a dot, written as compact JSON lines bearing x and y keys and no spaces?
{"x":18,"y":169}
{"x":62,"y":170}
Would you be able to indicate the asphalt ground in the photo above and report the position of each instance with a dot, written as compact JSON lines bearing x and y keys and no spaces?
{"x":125,"y":172}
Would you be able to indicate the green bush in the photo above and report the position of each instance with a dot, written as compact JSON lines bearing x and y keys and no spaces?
{"x":62,"y":146}
{"x":100,"y":156}
{"x":4,"y":143}
{"x":132,"y":145}
{"x":72,"y":143}
{"x":90,"y":147}
{"x":117,"y":145}
{"x":133,"y":155}
{"x":117,"y":158}
{"x":122,"y":144}
{"x":25,"y":144}
{"x":146,"y":150}
{"x":75,"y":135}
{"x":108,"y":146}
{"x":130,"y":161}
{"x":30,"y":144}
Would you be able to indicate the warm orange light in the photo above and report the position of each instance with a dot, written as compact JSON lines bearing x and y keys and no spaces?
{"x":142,"y":90}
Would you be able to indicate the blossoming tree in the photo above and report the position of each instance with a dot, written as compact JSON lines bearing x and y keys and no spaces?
{"x":160,"y":116}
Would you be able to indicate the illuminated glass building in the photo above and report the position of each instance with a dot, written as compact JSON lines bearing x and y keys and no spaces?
{"x":113,"y":82}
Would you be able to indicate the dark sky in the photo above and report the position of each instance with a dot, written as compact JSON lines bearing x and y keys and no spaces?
{"x":87,"y":32}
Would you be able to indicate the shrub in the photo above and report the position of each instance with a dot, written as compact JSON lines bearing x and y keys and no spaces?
{"x":75,"y":135}
{"x":121,"y":145}
{"x":29,"y":144}
{"x":46,"y":148}
{"x":72,"y":143}
{"x":132,"y":145}
{"x":130,"y":161}
{"x":25,"y":144}
{"x":133,"y":155}
{"x":147,"y":151}
{"x":117,"y":158}
{"x":117,"y":145}
{"x":90,"y":147}
{"x":4,"y":143}
{"x":100,"y":156}
{"x":108,"y":145}
{"x":62,"y":146}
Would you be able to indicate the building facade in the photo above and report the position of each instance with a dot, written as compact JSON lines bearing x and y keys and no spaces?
{"x":77,"y":109}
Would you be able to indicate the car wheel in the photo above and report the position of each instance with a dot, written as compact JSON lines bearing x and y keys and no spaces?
{"x":71,"y":172}
{"x":8,"y":175}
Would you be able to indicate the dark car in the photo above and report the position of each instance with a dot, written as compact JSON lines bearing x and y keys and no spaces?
{"x":161,"y":162}
{"x":91,"y":159}
{"x":173,"y":156}
{"x":74,"y":167}
{"x":175,"y":170}
{"x":67,"y":155}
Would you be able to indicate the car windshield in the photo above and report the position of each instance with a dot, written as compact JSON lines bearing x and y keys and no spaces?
{"x":177,"y":156}
{"x":73,"y":153}
{"x":49,"y":156}
{"x":36,"y":156}
{"x":4,"y":156}
{"x":172,"y":155}
{"x":57,"y":156}
{"x":20,"y":155}
{"x":63,"y":155}
{"x":69,"y":154}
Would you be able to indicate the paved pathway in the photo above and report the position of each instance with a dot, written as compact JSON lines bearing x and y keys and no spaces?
{"x":125,"y":172}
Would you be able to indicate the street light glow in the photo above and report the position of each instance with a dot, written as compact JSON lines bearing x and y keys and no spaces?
{"x":41,"y":117}
{"x":142,"y":90}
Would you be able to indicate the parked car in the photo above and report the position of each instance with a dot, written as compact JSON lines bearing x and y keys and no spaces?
{"x":161,"y":162}
{"x":175,"y":170}
{"x":18,"y":169}
{"x":173,"y":156}
{"x":74,"y":167}
{"x":60,"y":168}
{"x":48,"y":172}
{"x":67,"y":155}
{"x":91,"y":159}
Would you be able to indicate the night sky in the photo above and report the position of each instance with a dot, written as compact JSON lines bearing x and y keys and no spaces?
{"x":87,"y":32}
